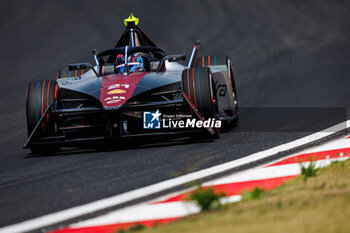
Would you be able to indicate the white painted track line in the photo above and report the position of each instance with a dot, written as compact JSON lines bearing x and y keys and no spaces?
{"x":94,"y":206}
{"x":176,"y":209}
{"x":143,"y":212}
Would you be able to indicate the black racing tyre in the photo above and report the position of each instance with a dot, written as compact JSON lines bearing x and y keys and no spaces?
{"x":216,"y":60}
{"x":234,"y":91}
{"x":40,"y":94}
{"x":198,"y":86}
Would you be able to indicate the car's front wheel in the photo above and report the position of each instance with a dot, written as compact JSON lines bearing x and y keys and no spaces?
{"x":198,"y":86}
{"x":40,"y":95}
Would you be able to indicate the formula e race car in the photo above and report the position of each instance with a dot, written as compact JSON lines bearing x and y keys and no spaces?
{"x":134,"y":89}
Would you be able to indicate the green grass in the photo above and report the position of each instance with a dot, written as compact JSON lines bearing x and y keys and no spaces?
{"x":256,"y":193}
{"x":309,"y":171}
{"x":206,"y":199}
{"x":134,"y":228}
{"x":322,"y":204}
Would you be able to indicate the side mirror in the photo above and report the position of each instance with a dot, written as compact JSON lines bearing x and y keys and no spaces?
{"x":176,"y":57}
{"x":171,"y":58}
{"x":81,"y":66}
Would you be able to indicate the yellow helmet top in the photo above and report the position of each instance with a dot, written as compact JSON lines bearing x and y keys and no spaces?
{"x":131,"y":19}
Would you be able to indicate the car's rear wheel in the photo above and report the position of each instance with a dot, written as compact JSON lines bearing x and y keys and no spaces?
{"x":198,"y":86}
{"x":234,"y":92}
{"x":40,"y":94}
{"x":217,"y":60}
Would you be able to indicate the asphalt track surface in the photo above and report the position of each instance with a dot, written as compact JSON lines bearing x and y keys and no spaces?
{"x":291,"y":61}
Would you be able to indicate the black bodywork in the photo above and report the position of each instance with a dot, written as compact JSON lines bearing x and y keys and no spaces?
{"x":84,"y":110}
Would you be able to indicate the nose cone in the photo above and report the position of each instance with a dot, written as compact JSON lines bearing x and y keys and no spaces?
{"x":117,"y":89}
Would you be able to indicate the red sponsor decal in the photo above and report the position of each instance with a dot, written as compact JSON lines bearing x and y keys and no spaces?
{"x":118,"y":88}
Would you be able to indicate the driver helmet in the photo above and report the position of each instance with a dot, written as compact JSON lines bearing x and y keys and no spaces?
{"x":120,"y":59}
{"x":135,"y":63}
